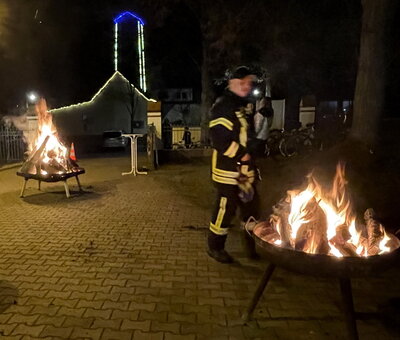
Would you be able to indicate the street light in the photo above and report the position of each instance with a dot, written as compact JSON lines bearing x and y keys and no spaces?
{"x":32,"y":97}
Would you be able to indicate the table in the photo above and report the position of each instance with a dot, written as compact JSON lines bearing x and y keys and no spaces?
{"x":134,"y":167}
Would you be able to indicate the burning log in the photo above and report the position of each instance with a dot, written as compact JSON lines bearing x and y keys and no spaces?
{"x":394,"y":242}
{"x":33,"y":161}
{"x":266,"y":232}
{"x":341,"y":237}
{"x":281,"y":212}
{"x":346,"y":249}
{"x":340,"y":241}
{"x":342,"y":234}
{"x":311,"y":237}
{"x":53,"y":166}
{"x":319,"y":221}
{"x":375,"y":231}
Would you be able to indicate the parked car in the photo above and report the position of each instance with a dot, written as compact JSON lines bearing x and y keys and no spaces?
{"x":114,"y":139}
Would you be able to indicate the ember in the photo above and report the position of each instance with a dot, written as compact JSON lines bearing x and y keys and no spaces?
{"x":49,"y":160}
{"x":323,"y":222}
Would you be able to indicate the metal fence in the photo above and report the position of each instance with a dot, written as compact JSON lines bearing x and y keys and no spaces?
{"x":12,"y":146}
{"x":173,"y":136}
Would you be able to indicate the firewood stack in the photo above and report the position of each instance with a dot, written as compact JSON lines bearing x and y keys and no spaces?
{"x":319,"y":221}
{"x":312,"y":237}
{"x":49,"y":158}
{"x":36,"y":164}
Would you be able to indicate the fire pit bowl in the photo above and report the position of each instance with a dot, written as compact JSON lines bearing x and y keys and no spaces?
{"x":341,"y":268}
{"x":316,"y":232}
{"x":52,"y":178}
{"x":326,"y":265}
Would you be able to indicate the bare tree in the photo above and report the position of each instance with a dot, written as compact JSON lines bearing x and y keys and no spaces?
{"x":301,"y":55}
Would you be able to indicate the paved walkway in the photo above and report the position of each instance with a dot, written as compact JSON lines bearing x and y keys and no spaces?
{"x":126,"y":260}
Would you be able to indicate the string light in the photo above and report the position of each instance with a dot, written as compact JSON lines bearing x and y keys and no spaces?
{"x":141,"y":54}
{"x":143,"y":59}
{"x":122,"y":15}
{"x":116,"y":73}
{"x":115,"y":47}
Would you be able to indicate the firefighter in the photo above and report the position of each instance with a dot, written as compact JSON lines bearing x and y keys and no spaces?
{"x":233,"y":172}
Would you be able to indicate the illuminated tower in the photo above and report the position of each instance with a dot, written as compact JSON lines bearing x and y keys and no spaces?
{"x":141,"y":57}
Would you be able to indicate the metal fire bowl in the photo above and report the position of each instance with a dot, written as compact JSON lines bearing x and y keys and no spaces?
{"x":325,"y":265}
{"x":52,"y":177}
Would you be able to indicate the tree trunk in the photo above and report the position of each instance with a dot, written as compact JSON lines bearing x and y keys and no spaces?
{"x":222,"y":48}
{"x":292,"y":106}
{"x":370,"y":84}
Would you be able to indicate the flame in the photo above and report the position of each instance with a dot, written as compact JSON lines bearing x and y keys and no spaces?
{"x":298,"y":213}
{"x":323,"y":221}
{"x":54,"y":151}
{"x":383,"y":244}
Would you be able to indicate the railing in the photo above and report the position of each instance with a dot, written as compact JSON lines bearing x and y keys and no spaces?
{"x":12,"y":146}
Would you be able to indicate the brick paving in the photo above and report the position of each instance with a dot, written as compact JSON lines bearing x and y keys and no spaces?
{"x":119,"y":262}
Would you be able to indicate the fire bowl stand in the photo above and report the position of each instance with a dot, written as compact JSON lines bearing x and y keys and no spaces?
{"x":62,"y":178}
{"x":347,"y":300}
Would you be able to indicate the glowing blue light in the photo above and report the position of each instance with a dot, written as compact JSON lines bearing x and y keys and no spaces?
{"x":120,"y":17}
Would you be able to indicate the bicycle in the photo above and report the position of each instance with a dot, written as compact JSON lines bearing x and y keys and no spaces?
{"x":333,"y":129}
{"x":298,"y":141}
{"x":272,"y":142}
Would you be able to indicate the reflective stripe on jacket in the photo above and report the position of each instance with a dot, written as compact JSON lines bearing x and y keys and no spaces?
{"x":228,"y":131}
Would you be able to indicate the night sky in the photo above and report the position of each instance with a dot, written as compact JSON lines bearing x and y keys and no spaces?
{"x":64,"y":48}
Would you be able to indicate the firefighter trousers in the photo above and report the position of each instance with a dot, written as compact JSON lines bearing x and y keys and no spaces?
{"x":224,"y":210}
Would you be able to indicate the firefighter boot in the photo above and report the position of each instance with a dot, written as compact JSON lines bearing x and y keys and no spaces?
{"x":216,"y":244}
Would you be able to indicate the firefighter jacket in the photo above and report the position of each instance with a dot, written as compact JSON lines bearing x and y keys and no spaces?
{"x":228,"y":130}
